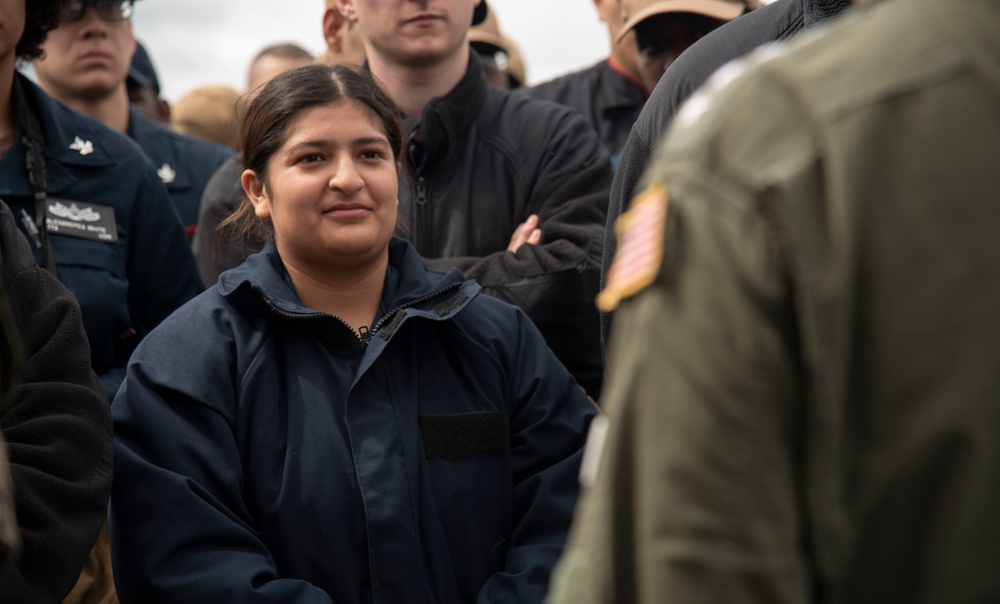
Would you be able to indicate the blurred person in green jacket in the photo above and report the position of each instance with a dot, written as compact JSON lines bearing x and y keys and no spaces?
{"x":805,"y":377}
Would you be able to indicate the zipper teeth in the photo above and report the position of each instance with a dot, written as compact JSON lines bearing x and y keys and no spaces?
{"x":315,"y":315}
{"x":423,"y":217}
{"x":393,"y":312}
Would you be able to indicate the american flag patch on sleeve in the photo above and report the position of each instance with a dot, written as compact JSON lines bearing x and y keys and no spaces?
{"x":640,"y":248}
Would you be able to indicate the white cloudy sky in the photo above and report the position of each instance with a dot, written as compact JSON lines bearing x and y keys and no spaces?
{"x":199,"y":42}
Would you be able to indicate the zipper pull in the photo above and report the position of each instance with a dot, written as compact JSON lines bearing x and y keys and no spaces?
{"x":29,"y":226}
{"x":421,"y":191}
{"x":366,"y":336}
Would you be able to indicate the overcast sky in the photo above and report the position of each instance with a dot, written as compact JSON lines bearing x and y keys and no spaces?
{"x":199,"y":42}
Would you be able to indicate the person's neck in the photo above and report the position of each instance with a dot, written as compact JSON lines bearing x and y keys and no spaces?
{"x":110,"y":109}
{"x":623,"y":59}
{"x":8,"y":125}
{"x":628,"y":75}
{"x":352,"y":295}
{"x":413,"y":86}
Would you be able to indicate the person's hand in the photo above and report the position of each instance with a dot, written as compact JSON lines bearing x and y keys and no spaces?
{"x":526,"y":232}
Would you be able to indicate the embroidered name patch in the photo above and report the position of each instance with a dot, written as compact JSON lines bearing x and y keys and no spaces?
{"x":82,"y":220}
{"x":480,"y":435}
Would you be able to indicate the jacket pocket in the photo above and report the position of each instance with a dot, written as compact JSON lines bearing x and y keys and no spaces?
{"x":478,"y":435}
{"x":93,"y":255}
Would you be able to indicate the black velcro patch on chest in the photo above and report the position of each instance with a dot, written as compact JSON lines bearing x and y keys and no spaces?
{"x":480,"y":435}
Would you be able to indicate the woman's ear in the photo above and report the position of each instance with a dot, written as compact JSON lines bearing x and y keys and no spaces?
{"x":256,"y":193}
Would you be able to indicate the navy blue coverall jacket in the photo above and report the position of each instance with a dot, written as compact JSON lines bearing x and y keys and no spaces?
{"x":265,"y":453}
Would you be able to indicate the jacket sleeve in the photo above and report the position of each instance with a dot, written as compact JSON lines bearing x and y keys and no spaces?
{"x":569,"y":192}
{"x":557,"y":281}
{"x":177,"y":461}
{"x":58,"y":435}
{"x":550,"y":415}
{"x":697,"y":494}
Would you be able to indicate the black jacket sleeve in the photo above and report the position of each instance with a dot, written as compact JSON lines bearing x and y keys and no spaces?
{"x":556,"y":282}
{"x":58,"y":431}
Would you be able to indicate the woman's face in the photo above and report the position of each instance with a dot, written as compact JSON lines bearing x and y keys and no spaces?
{"x":331,"y":190}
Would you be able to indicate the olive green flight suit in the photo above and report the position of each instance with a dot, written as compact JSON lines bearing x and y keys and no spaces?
{"x":804,"y":406}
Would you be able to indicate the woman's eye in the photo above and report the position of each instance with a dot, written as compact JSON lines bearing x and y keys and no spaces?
{"x":370,"y":155}
{"x":310,"y":158}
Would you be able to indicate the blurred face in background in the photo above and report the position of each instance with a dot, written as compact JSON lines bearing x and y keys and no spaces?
{"x":147,"y":101}
{"x":408,"y":32}
{"x":610,"y":11}
{"x":660,"y":39}
{"x":344,"y":43}
{"x":264,"y":69}
{"x":89,"y":54}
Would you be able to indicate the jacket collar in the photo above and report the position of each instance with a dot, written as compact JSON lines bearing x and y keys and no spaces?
{"x":619,"y":90}
{"x":448,"y":118}
{"x":262,"y":285}
{"x":71,"y":140}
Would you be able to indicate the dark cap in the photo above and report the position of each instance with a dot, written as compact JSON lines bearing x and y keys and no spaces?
{"x":142,"y":74}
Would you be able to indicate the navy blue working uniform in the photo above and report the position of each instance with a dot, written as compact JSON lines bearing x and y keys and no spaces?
{"x":184,"y":163}
{"x":116,"y":240}
{"x":284,"y":459}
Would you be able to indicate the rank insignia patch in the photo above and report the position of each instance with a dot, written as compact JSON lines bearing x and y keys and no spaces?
{"x":640,"y":248}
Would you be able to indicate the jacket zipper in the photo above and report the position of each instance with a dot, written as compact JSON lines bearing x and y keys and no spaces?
{"x":363,"y":335}
{"x":423,"y":217}
{"x":389,"y":315}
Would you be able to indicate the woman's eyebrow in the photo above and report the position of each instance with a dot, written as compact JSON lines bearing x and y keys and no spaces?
{"x":371,"y":140}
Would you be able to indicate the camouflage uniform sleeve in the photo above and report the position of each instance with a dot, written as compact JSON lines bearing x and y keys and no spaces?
{"x":696,"y":495}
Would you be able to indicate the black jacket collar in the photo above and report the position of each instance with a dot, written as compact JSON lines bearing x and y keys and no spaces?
{"x":449,"y":118}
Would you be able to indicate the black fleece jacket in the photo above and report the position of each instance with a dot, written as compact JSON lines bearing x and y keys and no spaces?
{"x":58,"y":431}
{"x":481,"y":160}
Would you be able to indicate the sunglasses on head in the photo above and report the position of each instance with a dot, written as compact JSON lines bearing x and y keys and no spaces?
{"x":109,"y":11}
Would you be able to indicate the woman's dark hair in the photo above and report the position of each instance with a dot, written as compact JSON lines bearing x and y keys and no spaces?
{"x":269,"y":115}
{"x":41,"y":17}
